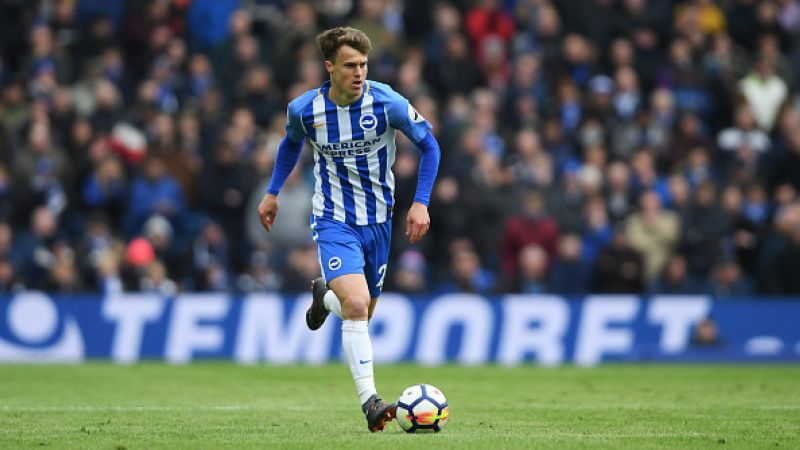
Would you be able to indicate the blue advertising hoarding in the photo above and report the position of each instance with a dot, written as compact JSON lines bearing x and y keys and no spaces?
{"x":453,"y":328}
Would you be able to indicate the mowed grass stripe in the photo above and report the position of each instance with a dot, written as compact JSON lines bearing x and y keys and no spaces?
{"x":215,"y":405}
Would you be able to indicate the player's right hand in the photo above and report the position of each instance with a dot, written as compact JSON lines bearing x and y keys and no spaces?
{"x":267,"y":210}
{"x":417,"y":222}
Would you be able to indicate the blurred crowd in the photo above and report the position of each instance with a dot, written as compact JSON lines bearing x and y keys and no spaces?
{"x":637,"y":146}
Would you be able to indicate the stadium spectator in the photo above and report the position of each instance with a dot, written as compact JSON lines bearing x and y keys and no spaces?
{"x":745,"y":235}
{"x":7,"y":240}
{"x":743,"y":143}
{"x":9,"y":260}
{"x":698,"y":168}
{"x":291,"y":231}
{"x":680,"y":195}
{"x":137,"y":255}
{"x":618,"y":195}
{"x":6,"y":194}
{"x":155,"y":280}
{"x":781,"y":276}
{"x":567,"y":202}
{"x":41,"y":172}
{"x":702,"y":231}
{"x":532,"y":226}
{"x":529,"y":165}
{"x":97,"y":240}
{"x":37,"y":248}
{"x":108,"y":277}
{"x":683,"y":75}
{"x":645,"y":175}
{"x":210,"y":256}
{"x":455,"y":72}
{"x":706,"y":333}
{"x":410,"y":273}
{"x":619,"y":268}
{"x":106,"y":111}
{"x":9,"y":282}
{"x":727,"y":280}
{"x":301,"y":263}
{"x":675,"y":279}
{"x":689,"y":136}
{"x":223,"y":192}
{"x":371,"y":18}
{"x":208,"y":20}
{"x":449,"y":221}
{"x":776,"y":239}
{"x":571,"y":273}
{"x":63,"y":278}
{"x":764,"y":91}
{"x":467,"y":273}
{"x":106,"y":190}
{"x":258,"y":276}
{"x":154,"y":192}
{"x":756,"y":205}
{"x":653,"y":232}
{"x":585,"y":101}
{"x":485,"y":22}
{"x":598,"y":229}
{"x":787,"y":164}
{"x":556,"y":143}
{"x":405,"y":178}
{"x":167,"y":249}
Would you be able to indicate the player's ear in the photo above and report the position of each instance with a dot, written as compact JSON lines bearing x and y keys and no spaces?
{"x":329,"y":66}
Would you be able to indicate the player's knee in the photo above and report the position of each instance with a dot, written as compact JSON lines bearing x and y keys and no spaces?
{"x":355,"y":308}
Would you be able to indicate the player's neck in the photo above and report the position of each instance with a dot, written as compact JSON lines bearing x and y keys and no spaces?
{"x":342,"y":98}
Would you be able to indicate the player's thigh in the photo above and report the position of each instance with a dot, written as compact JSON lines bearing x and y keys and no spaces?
{"x":377,"y":241}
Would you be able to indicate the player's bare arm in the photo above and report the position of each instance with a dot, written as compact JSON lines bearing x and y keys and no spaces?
{"x":417,"y":222}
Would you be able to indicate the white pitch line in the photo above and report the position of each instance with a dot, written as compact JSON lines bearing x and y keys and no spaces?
{"x":782,"y":407}
{"x":523,"y":406}
{"x":636,"y":406}
{"x":152,"y":408}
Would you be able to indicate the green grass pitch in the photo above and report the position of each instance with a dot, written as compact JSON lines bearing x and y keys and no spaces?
{"x":213,"y":405}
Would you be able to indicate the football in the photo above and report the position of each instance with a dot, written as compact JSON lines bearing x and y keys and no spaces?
{"x":422,"y":408}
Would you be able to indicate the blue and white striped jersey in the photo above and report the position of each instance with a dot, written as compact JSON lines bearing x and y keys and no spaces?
{"x":354,"y":149}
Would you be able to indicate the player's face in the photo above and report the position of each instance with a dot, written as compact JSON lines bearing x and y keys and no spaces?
{"x":348,"y":71}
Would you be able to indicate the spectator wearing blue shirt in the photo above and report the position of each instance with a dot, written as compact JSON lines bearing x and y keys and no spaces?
{"x":105,"y":189}
{"x":675,"y":279}
{"x":571,"y":273}
{"x":208,"y":21}
{"x":155,"y":192}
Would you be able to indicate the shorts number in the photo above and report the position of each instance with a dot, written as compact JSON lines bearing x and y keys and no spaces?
{"x":382,"y":273}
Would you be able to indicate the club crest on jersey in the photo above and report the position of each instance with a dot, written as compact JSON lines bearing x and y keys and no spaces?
{"x":335,"y":263}
{"x":368,"y":122}
{"x":414,"y":115}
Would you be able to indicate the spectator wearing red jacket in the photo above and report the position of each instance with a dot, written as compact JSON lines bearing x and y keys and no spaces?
{"x":533,"y":225}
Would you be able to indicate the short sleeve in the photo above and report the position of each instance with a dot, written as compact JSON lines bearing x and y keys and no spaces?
{"x":294,"y":125}
{"x":404,"y":117}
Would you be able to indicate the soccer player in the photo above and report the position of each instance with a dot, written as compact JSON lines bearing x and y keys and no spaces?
{"x":351,"y":123}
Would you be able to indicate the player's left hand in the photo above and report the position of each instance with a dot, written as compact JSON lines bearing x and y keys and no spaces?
{"x":417,"y":222}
